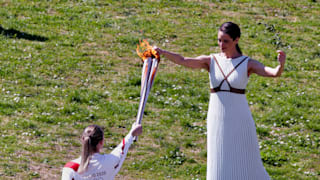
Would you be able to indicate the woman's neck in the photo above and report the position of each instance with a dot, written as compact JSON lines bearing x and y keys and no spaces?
{"x":231,"y":55}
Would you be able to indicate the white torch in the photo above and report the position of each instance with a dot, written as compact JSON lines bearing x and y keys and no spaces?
{"x":150,"y":59}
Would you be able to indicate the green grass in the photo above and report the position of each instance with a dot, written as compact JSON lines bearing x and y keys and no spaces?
{"x":67,"y":64}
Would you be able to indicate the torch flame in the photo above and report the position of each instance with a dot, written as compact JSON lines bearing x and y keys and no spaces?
{"x":148,"y":51}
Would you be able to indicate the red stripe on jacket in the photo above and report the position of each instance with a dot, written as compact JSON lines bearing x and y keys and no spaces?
{"x":122,"y":148}
{"x":123,"y":144}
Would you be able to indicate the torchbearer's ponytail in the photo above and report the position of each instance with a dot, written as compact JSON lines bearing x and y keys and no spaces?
{"x":90,"y":138}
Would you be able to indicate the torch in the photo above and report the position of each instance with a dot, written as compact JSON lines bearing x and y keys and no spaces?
{"x":151,"y":59}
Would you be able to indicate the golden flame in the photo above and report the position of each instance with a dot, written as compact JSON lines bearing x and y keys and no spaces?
{"x":147,"y":50}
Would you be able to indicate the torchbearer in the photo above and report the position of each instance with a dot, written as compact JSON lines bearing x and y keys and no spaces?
{"x":151,"y":59}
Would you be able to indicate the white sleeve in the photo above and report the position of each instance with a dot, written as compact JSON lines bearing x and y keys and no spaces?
{"x":120,"y":152}
{"x":67,"y":174}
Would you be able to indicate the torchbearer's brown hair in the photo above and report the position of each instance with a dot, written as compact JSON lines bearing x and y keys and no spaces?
{"x":91,"y":137}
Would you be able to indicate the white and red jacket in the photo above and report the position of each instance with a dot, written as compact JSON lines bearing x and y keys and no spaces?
{"x":101,"y":166}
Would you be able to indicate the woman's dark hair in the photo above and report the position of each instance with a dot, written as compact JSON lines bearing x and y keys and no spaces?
{"x":90,"y":138}
{"x":232,"y":30}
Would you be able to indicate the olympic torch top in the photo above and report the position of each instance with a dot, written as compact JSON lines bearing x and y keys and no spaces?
{"x":148,"y":51}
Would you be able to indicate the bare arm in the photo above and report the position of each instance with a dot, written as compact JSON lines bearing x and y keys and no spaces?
{"x":259,"y":69}
{"x":201,"y":62}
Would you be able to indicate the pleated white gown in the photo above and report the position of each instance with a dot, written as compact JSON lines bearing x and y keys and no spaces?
{"x":233,"y":149}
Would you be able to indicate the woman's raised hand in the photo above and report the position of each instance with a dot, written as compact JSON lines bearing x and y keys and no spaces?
{"x":281,"y":57}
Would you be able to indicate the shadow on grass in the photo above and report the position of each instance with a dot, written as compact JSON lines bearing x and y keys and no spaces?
{"x":12,"y":33}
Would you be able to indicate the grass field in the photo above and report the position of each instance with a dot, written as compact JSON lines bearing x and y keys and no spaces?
{"x":67,"y":64}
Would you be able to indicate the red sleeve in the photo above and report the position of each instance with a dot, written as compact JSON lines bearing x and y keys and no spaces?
{"x":72,"y":165}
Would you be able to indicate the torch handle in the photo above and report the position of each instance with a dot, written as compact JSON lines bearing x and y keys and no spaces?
{"x":146,"y":72}
{"x":144,"y":88}
{"x":141,"y":109}
{"x":150,"y":67}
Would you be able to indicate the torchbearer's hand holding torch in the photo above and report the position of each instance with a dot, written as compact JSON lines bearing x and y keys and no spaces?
{"x":151,"y":59}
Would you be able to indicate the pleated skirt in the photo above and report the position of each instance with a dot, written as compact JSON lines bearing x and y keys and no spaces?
{"x":232,"y":144}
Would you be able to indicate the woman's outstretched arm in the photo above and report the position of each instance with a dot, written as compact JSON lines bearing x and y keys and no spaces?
{"x":202,"y":62}
{"x":259,"y":69}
